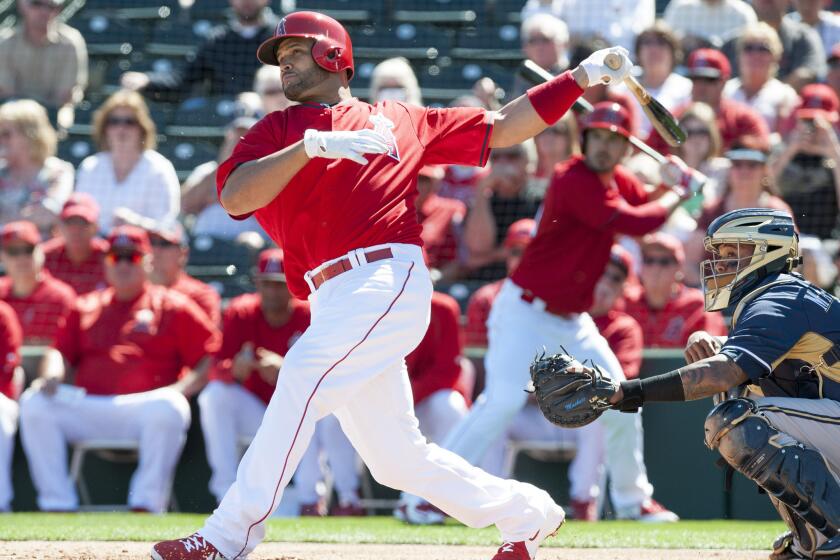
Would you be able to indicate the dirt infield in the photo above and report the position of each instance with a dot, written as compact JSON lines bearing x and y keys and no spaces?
{"x":44,"y":550}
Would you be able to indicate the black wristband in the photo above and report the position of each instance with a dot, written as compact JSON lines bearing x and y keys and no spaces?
{"x":667,"y":387}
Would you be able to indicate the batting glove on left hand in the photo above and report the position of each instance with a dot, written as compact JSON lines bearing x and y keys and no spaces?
{"x":684,"y":180}
{"x":349,"y":144}
{"x":597,"y":70}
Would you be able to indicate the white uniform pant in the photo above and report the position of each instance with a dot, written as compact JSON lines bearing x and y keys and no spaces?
{"x":230,"y":412}
{"x":158,"y":420}
{"x":518,"y":331}
{"x":8,"y":426}
{"x":439,"y":413}
{"x":351,"y":361}
{"x":529,"y":425}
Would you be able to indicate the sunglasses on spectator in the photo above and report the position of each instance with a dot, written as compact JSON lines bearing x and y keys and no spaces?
{"x":614,"y":277}
{"x":704,"y":79}
{"x":19,"y":251}
{"x":134,"y":258}
{"x":746,"y":163}
{"x":161,"y":242}
{"x":124,"y":121}
{"x":537,"y":39}
{"x":6,"y":133}
{"x":697,"y":132}
{"x":756,"y":48}
{"x":662,"y":261}
{"x":834,"y":63}
{"x":43,"y":4}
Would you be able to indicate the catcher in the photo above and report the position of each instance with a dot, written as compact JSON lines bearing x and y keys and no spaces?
{"x":780,"y":365}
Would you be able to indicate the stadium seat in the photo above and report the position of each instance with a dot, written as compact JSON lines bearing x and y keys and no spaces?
{"x":76,"y":149}
{"x":498,"y":44}
{"x":506,"y":11}
{"x":405,"y":39}
{"x":108,"y":36}
{"x":345,"y":11}
{"x":455,"y":12}
{"x":445,"y":83}
{"x":113,"y":449}
{"x":178,"y":38}
{"x":217,"y":10}
{"x":202,"y":117}
{"x":130,"y":9}
{"x":226,"y":265}
{"x":187,"y":155}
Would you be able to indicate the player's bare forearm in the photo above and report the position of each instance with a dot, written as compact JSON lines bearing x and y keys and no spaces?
{"x":710,"y":376}
{"x":256,"y":183}
{"x":518,"y":120}
{"x":195,"y":379}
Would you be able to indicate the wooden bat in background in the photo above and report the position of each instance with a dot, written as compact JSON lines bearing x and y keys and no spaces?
{"x":535,"y":74}
{"x":661,"y":119}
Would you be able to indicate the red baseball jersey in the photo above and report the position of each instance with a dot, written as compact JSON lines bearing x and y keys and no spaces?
{"x":83,"y":277}
{"x":333,"y":206}
{"x":244,"y":322}
{"x":624,"y":335}
{"x":441,"y":219}
{"x":671,"y":326}
{"x":40,"y":312}
{"x":11,"y":337}
{"x":202,"y":294}
{"x":580,"y":217}
{"x":436,"y":362}
{"x":122,"y":347}
{"x":478,"y":310}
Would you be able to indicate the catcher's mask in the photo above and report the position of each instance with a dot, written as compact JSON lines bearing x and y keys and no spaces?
{"x":745,"y":246}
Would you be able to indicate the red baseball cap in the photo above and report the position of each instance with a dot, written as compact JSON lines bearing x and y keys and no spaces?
{"x":520,"y":233}
{"x":621,"y":257}
{"x":667,"y":242}
{"x":22,"y":230}
{"x":131,"y":238}
{"x":270,"y":265}
{"x":80,"y":205}
{"x":708,"y":63}
{"x":818,"y":100}
{"x":612,"y":116}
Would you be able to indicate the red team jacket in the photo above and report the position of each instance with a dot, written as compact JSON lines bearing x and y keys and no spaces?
{"x":624,"y":336}
{"x":40,"y":312}
{"x":84,"y":277}
{"x":11,"y":337}
{"x":202,"y":294}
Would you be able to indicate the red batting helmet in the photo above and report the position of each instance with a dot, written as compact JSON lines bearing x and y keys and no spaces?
{"x":332,"y":50}
{"x":609,"y":116}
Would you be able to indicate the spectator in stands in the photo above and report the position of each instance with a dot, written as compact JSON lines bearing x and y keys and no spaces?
{"x":501,"y":199}
{"x":441,"y":385}
{"x":702,"y":147}
{"x":224,"y":64}
{"x":832,"y":79}
{"x":127,"y":174}
{"x":76,"y":255}
{"x":170,"y":250}
{"x":803,"y":55}
{"x":199,"y":196}
{"x":815,"y":14}
{"x":33,"y":182}
{"x":617,"y":22}
{"x":657,"y":51}
{"x":394,"y":79}
{"x":545,"y":40}
{"x":759,"y":53}
{"x":127,"y":346}
{"x":668,"y":310}
{"x":816,"y":266}
{"x":554,"y":145}
{"x":807,"y":169}
{"x":259,"y":329}
{"x":40,"y":301}
{"x":11,"y":381}
{"x":269,"y":87}
{"x":42,"y":58}
{"x":709,"y":70}
{"x":442,"y":220}
{"x":478,"y":308}
{"x":715,"y":21}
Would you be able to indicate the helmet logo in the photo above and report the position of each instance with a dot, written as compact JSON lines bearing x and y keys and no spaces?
{"x":281,"y":27}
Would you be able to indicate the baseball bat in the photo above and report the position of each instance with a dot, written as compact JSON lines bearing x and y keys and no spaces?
{"x":660,"y":117}
{"x":536,"y":74}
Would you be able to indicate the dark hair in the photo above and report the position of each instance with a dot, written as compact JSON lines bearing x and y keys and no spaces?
{"x":661,"y":30}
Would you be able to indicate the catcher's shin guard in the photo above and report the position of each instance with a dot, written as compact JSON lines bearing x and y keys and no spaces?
{"x":795,"y":475}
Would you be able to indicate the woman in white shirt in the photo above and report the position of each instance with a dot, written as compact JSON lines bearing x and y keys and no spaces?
{"x":759,"y":53}
{"x":127,"y":176}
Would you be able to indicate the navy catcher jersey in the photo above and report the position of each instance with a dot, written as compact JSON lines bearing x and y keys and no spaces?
{"x":790,"y":325}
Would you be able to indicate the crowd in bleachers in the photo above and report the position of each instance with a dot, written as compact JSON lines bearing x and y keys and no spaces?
{"x":119,"y":259}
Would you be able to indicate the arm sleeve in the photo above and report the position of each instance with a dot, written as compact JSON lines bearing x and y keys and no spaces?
{"x":478,"y":310}
{"x":766,"y":330}
{"x":456,"y":135}
{"x":197,"y":337}
{"x":68,"y":337}
{"x":264,"y":138}
{"x":233,"y":334}
{"x":442,"y":368}
{"x":11,"y":338}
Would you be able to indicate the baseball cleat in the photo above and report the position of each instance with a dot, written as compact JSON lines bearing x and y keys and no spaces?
{"x":347,"y":510}
{"x":317,"y":509}
{"x":419,"y":513}
{"x":527,"y":549}
{"x":584,"y":510}
{"x":512,"y":551}
{"x":193,"y":547}
{"x":650,"y":511}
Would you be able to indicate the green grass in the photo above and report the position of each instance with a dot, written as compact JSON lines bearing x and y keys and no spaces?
{"x":606,"y":534}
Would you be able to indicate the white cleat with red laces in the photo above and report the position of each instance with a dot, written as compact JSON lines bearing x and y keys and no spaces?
{"x":513,"y":551}
{"x":193,"y":547}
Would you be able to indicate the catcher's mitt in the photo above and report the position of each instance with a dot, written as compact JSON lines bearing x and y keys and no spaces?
{"x":570,"y":394}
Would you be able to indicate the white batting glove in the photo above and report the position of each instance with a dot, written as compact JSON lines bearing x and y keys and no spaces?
{"x":349,"y":144}
{"x":682,"y":179}
{"x":597,"y":70}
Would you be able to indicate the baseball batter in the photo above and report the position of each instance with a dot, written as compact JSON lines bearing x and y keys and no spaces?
{"x":782,"y":432}
{"x":333,"y":180}
{"x":544,"y":303}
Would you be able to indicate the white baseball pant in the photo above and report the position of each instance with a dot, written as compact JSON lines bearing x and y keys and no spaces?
{"x":157,"y":420}
{"x":529,"y":425}
{"x":8,"y":426}
{"x":230,"y":412}
{"x":351,"y":361}
{"x":517,"y":331}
